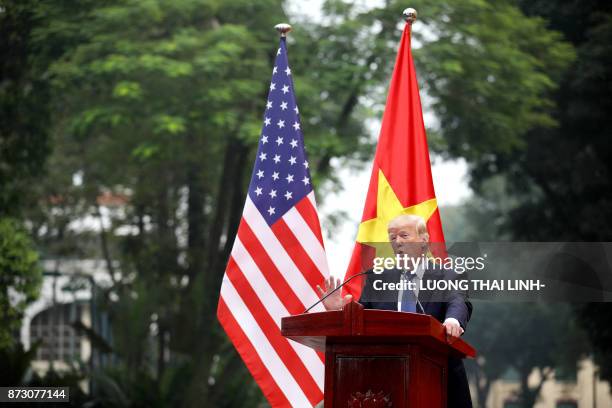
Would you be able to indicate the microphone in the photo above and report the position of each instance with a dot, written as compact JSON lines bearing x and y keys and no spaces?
{"x":420,"y":305}
{"x":369,"y":272}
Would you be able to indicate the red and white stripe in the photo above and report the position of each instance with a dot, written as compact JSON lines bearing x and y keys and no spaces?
{"x":272,"y":273}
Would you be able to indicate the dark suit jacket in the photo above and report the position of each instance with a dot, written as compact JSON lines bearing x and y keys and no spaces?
{"x":439,"y":304}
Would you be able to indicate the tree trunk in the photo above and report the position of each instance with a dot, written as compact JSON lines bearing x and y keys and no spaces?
{"x":161,"y":353}
{"x":483,"y":385}
{"x":529,"y":396}
{"x":195,"y":221}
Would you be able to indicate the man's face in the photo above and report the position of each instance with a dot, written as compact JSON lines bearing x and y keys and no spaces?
{"x":405,"y":239}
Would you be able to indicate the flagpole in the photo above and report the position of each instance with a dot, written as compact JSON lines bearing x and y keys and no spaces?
{"x":410,"y":15}
{"x":283,"y":29}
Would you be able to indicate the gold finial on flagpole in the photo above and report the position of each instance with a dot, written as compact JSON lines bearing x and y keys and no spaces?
{"x":410,"y":15}
{"x":283,"y":29}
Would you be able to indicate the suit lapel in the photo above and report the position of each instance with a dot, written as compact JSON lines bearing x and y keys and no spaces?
{"x":425,"y":295}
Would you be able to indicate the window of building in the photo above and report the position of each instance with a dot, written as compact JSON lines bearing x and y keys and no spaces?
{"x":511,"y":374}
{"x":58,"y":339}
{"x":566,"y":374}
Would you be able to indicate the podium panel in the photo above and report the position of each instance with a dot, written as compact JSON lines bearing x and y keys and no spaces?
{"x":385,"y":376}
{"x":359,"y":376}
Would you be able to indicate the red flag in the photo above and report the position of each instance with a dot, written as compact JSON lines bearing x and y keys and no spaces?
{"x":401,"y":181}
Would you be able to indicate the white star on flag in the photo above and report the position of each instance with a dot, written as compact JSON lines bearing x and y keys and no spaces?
{"x":293,"y":143}
{"x":264,"y":139}
{"x":271,"y":210}
{"x":283,"y":105}
{"x":275,"y":175}
{"x":272,"y":86}
{"x":263,"y":156}
{"x":279,"y":140}
{"x":260,"y":174}
{"x":273,"y":193}
{"x":285,"y":89}
{"x":276,"y":158}
{"x":267,"y":121}
{"x":288,"y":195}
{"x":258,"y":191}
{"x":281,"y":124}
{"x":296,"y":125}
{"x":269,"y":105}
{"x":288,"y":71}
{"x":289,"y":178}
{"x":292,"y":160}
{"x":306,"y":181}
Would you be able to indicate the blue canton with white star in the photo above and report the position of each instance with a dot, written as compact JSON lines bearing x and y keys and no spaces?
{"x":281,"y":177}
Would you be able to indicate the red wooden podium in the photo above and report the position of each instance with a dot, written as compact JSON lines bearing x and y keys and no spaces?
{"x":378,"y":358}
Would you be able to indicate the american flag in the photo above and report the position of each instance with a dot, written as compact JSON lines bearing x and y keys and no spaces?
{"x":278,"y":256}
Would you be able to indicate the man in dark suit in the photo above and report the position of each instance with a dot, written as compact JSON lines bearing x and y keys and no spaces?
{"x":409,"y":238}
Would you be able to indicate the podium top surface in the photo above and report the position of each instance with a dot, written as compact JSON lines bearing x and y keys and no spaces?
{"x":354,"y":324}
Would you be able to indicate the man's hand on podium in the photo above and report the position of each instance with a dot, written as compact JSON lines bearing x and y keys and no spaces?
{"x":453,"y":329}
{"x":334,"y":301}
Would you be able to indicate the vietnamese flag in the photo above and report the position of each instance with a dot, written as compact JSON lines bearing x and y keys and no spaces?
{"x":401,"y":181}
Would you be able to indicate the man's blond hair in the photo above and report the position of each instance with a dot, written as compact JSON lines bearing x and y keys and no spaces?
{"x":418,"y":221}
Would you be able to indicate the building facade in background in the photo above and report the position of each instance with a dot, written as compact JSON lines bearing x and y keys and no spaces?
{"x":65,"y":321}
{"x":580,"y":389}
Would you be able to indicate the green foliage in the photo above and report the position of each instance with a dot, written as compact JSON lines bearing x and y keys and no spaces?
{"x":569,"y":167}
{"x":561,"y":180}
{"x":523,"y":337}
{"x":20,"y":278}
{"x":24,"y":107}
{"x":15,"y":363}
{"x":595,"y":319}
{"x":120,"y":387}
{"x":71,"y":379}
{"x":24,"y":121}
{"x":489,"y":70}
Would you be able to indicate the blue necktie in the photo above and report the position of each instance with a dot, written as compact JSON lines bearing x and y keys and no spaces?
{"x":408,"y":297}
